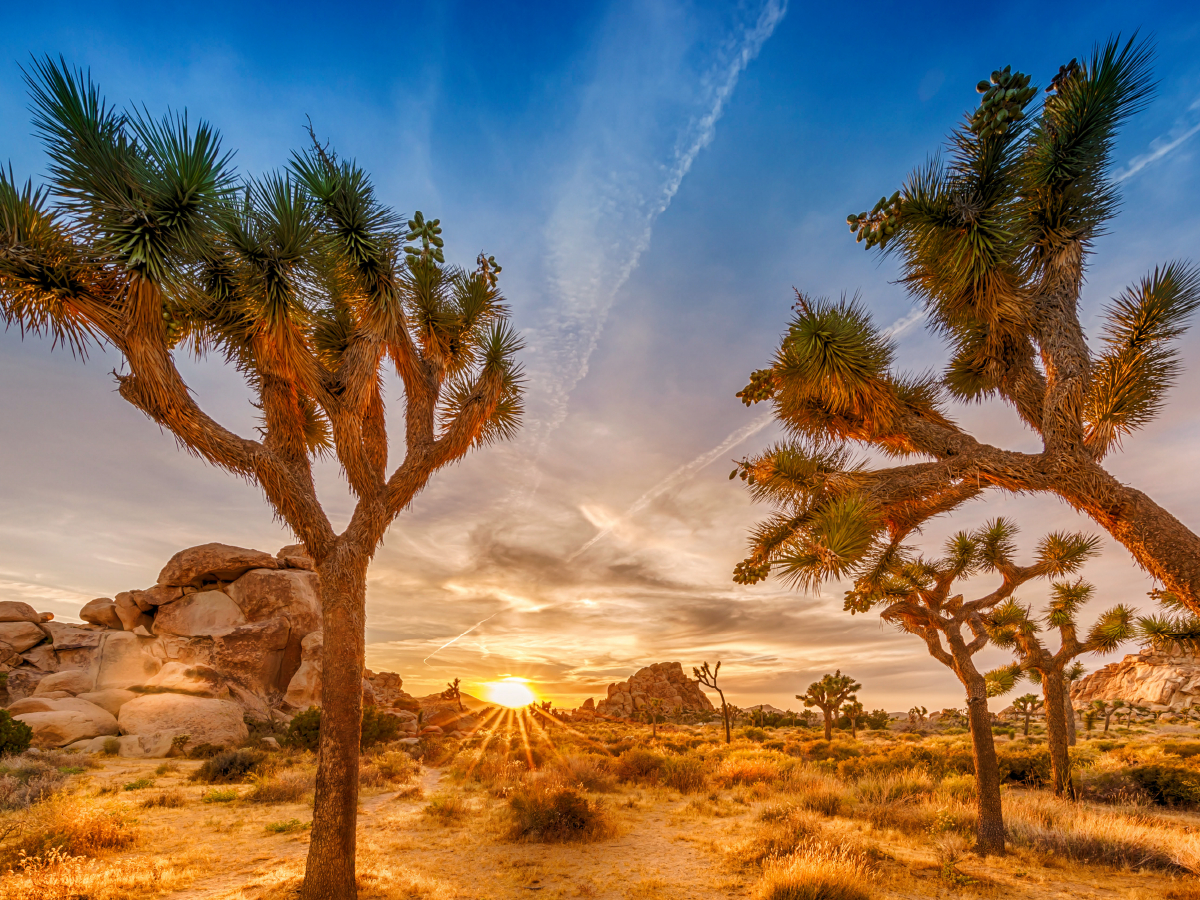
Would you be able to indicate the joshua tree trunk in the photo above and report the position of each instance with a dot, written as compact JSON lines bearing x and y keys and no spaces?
{"x":990,"y":832}
{"x":828,"y":723}
{"x":330,"y":870}
{"x":1028,"y":713}
{"x":1053,"y":690}
{"x":1069,"y":712}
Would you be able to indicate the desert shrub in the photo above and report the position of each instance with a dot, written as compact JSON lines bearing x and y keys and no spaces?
{"x":230,"y":767}
{"x":289,"y":827}
{"x":641,"y":765}
{"x":69,"y":826}
{"x":781,"y":830}
{"x":588,"y":771}
{"x":165,"y":800}
{"x":754,"y":734}
{"x":139,"y":784}
{"x":110,"y":747}
{"x":819,"y":871}
{"x":828,"y":799}
{"x":378,"y":727}
{"x":895,"y":786}
{"x":736,"y":770}
{"x":166,"y":768}
{"x":304,"y":731}
{"x":958,"y":787}
{"x":446,"y":808}
{"x":219,"y":796}
{"x":200,"y":751}
{"x":24,"y":782}
{"x":1186,"y":749}
{"x":1168,"y":785}
{"x":290,"y":787}
{"x":551,"y":814}
{"x":1046,"y":823}
{"x":396,"y":766}
{"x":685,"y":774}
{"x":15,"y":736}
{"x":877,"y":720}
{"x":1024,"y":764}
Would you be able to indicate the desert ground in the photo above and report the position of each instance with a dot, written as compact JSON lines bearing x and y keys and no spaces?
{"x":609,"y":811}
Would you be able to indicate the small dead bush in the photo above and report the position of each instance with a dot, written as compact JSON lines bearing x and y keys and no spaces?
{"x":554,"y":815}
{"x":685,"y":774}
{"x":588,"y":771}
{"x":290,"y":787}
{"x":231,"y":767}
{"x":166,"y":800}
{"x":446,"y":808}
{"x":69,"y":826}
{"x":746,"y":770}
{"x":640,"y":765}
{"x":397,"y":767}
{"x":56,"y":875}
{"x":27,"y":783}
{"x":781,"y":831}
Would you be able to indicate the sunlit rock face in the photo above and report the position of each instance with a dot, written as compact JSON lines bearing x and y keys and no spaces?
{"x":1152,"y":679}
{"x":226,"y":634}
{"x":664,"y":681}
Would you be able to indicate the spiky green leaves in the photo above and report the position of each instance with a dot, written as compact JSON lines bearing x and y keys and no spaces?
{"x":1002,"y":680}
{"x":1131,"y":377}
{"x":1060,"y":553}
{"x":144,"y":190}
{"x":1114,"y":627}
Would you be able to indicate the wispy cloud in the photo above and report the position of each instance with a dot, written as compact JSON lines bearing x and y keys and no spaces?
{"x":679,"y":476}
{"x":1161,"y":146}
{"x":604,"y":220}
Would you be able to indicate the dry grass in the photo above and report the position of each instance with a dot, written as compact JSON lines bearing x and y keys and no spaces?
{"x":56,"y":875}
{"x":165,"y":800}
{"x":67,"y":825}
{"x":289,"y":787}
{"x":446,"y":808}
{"x":552,"y":814}
{"x":818,"y":871}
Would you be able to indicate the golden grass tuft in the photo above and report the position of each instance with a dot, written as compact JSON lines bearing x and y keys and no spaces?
{"x":819,"y":871}
{"x":56,"y":875}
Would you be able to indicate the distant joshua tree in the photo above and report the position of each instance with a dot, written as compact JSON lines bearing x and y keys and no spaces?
{"x":1026,"y":705}
{"x":708,"y":677}
{"x":1106,"y":710}
{"x":1012,"y":625}
{"x":829,"y":693}
{"x":917,"y":715}
{"x":653,"y":713}
{"x":452,"y":692}
{"x":853,"y":710}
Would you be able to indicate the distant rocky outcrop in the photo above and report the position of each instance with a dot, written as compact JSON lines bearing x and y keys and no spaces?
{"x":226,"y":635}
{"x":664,"y":681}
{"x":1157,"y":680}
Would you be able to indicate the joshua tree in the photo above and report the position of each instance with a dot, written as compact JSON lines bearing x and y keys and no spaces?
{"x":808,"y":717}
{"x":1176,"y":626}
{"x":917,"y":715}
{"x":829,"y":693}
{"x":452,"y":692}
{"x":653,"y":714}
{"x":708,"y":678}
{"x":1089,"y":717}
{"x":1106,"y":710}
{"x":918,"y":596}
{"x":993,"y":241}
{"x":1026,"y":705}
{"x":145,"y":241}
{"x":1013,"y":625}
{"x":853,"y":710}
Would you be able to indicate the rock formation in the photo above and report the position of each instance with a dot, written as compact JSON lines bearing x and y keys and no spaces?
{"x":226,"y":635}
{"x":1159,"y":681}
{"x":665,"y":681}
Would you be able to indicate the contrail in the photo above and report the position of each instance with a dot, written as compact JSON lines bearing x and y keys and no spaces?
{"x":453,"y":639}
{"x":681,"y":474}
{"x":602,"y":227}
{"x":1140,"y":162}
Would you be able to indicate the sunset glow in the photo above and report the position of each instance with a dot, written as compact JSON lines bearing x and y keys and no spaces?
{"x":512,"y":693}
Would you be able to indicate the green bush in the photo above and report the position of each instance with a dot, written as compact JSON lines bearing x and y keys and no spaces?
{"x":877,"y":720}
{"x":15,"y":736}
{"x":1168,"y":785}
{"x":230,"y":767}
{"x":1186,"y":749}
{"x":754,"y":734}
{"x":378,"y":727}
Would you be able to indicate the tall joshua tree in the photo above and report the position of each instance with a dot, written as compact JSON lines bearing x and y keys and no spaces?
{"x":829,"y":694}
{"x":993,"y":241}
{"x":708,"y":677}
{"x":143,"y":240}
{"x":918,"y":596}
{"x":1013,"y":625}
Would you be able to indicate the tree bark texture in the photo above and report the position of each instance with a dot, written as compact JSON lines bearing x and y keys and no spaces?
{"x":329,"y":874}
{"x":1069,"y":711}
{"x":1053,"y":684}
{"x":989,"y":834}
{"x":828,"y":724}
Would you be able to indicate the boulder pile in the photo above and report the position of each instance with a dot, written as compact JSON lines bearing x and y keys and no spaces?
{"x":664,"y":681}
{"x":226,"y":636}
{"x":1154,"y":679}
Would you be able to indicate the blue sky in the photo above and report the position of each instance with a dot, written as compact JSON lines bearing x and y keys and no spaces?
{"x":654,"y":177}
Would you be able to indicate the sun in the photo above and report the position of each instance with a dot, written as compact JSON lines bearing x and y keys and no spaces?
{"x":513,"y":693}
